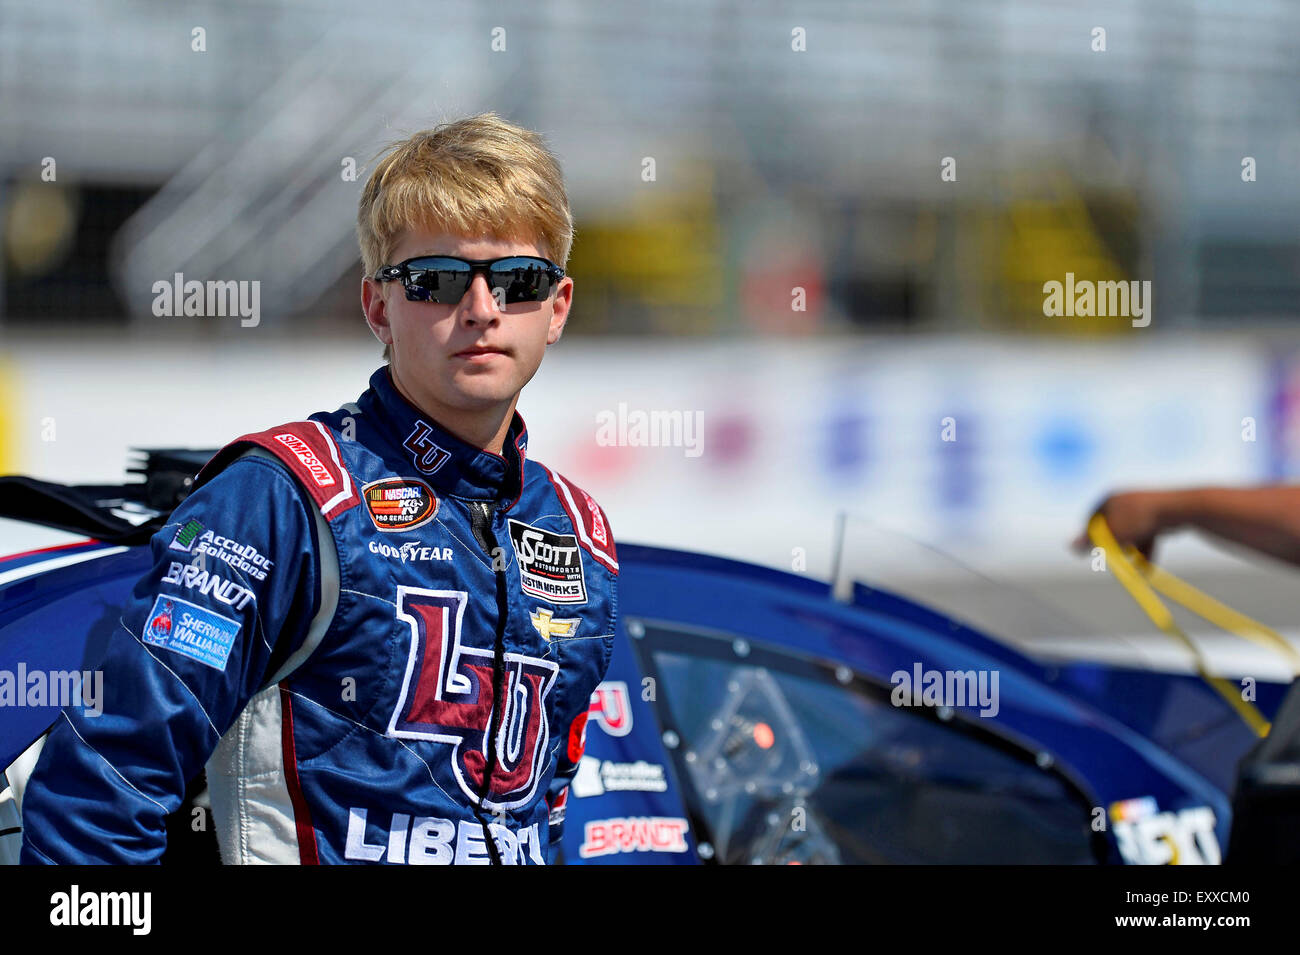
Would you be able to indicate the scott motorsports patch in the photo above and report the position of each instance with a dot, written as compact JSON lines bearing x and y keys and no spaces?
{"x":399,"y":504}
{"x":550,"y":566}
{"x":191,"y":630}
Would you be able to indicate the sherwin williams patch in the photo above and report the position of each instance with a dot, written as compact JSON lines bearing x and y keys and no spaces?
{"x":399,"y":504}
{"x":191,"y":631}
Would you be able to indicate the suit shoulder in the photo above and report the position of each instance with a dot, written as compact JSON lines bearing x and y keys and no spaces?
{"x":309,"y":451}
{"x":588,"y":518}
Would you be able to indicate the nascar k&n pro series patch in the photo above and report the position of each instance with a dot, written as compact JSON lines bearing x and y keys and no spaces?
{"x":399,"y":504}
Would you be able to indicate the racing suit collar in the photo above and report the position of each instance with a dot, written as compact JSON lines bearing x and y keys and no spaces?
{"x":451,"y":466}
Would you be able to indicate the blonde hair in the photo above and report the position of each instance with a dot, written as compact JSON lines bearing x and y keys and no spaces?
{"x":476,"y":176}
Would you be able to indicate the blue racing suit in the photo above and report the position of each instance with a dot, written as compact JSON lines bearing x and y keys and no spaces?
{"x":379,"y":641}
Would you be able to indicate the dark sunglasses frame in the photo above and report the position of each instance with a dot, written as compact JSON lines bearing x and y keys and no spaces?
{"x":496,"y":278}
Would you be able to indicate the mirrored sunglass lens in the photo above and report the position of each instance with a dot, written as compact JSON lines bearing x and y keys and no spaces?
{"x":442,"y":280}
{"x":524,"y":280}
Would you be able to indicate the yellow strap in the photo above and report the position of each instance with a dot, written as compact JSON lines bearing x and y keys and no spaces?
{"x":1219,"y":614}
{"x":1135,"y":581}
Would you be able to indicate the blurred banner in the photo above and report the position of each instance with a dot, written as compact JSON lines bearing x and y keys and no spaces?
{"x":995,"y":447}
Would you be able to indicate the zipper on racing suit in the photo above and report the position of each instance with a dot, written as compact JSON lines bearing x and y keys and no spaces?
{"x":481,"y":514}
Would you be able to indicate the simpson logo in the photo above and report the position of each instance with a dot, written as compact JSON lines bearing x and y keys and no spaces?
{"x":588,"y":520}
{"x":309,"y":451}
{"x":399,"y":504}
{"x":603,"y":837}
{"x":550,"y":566}
{"x":598,"y":532}
{"x":191,"y":631}
{"x":319,"y":473}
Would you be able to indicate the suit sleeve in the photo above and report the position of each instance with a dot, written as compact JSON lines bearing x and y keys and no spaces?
{"x":572,"y":745}
{"x":231,"y":594}
{"x":574,"y":741}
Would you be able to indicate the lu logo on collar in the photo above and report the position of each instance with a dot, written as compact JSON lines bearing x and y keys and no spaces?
{"x":428,"y":456}
{"x":453,"y":467}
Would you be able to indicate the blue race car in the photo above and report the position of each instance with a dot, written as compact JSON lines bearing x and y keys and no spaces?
{"x":748,"y":716}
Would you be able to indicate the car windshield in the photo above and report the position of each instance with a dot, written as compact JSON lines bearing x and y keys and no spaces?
{"x":791,"y":760}
{"x":874,"y":556}
{"x":1088,"y":617}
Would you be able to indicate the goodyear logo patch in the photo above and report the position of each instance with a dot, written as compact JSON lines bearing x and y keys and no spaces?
{"x":399,"y":504}
{"x":191,"y":631}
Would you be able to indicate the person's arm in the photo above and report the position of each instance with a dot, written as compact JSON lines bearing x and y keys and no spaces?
{"x":231,"y":594}
{"x":594,"y":529}
{"x":1265,"y":519}
{"x":572,"y":743}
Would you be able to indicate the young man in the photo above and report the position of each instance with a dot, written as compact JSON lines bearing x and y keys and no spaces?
{"x":378,"y":628}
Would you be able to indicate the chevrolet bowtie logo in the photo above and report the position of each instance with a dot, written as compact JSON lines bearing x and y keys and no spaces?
{"x":549,"y":626}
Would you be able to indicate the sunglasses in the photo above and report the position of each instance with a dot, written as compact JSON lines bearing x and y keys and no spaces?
{"x":445,"y":278}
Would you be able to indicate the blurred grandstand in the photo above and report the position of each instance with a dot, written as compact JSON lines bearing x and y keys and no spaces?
{"x":1123,"y":163}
